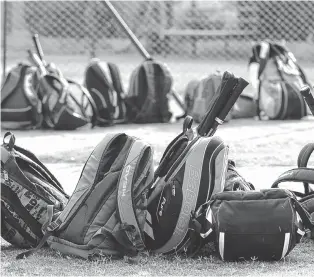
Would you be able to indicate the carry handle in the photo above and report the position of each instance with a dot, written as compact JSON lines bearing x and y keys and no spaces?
{"x":303,"y":174}
{"x":9,"y":140}
{"x":308,"y":97}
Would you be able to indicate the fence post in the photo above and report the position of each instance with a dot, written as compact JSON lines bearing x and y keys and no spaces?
{"x":4,"y":39}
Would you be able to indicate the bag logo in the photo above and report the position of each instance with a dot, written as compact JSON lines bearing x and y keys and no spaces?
{"x":164,"y":200}
{"x":125,"y":180}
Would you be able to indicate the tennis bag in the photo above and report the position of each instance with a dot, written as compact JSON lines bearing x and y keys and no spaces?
{"x":199,"y":94}
{"x":149,"y":89}
{"x":172,"y":226}
{"x":20,"y":105}
{"x":30,"y":195}
{"x":101,"y":217}
{"x":262,"y":225}
{"x":104,"y":84}
{"x":278,"y":79}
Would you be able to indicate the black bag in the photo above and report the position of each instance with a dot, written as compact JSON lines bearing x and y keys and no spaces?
{"x":104,"y":84}
{"x":149,"y":88}
{"x":171,"y":227}
{"x":20,"y":105}
{"x":263,"y":225}
{"x":279,"y":80}
{"x":30,"y":195}
{"x":101,"y":217}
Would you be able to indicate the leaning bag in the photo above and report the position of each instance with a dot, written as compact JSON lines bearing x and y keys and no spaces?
{"x":30,"y":195}
{"x":263,"y":225}
{"x":20,"y":105}
{"x":149,"y":89}
{"x":101,"y":217}
{"x":171,"y":226}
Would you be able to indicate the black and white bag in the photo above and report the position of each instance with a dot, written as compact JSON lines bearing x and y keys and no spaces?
{"x":171,"y":226}
{"x":277,"y":79}
{"x":31,"y":197}
{"x":103,"y":81}
{"x":262,"y":225}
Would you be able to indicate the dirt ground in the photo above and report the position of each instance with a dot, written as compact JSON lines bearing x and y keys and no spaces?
{"x":261,"y":149}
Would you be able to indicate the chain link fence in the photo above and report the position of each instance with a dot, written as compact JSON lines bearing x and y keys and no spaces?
{"x":193,"y":37}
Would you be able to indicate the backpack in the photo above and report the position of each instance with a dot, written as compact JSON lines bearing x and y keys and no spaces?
{"x":30,"y":195}
{"x":259,"y":225}
{"x":101,"y":217}
{"x":66,"y":105}
{"x":278,"y":79}
{"x":301,"y":175}
{"x":149,"y":88}
{"x":20,"y":105}
{"x":199,"y":94}
{"x":104,"y":84}
{"x":172,"y":227}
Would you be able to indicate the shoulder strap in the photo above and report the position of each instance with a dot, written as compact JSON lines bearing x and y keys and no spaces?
{"x":302,"y":174}
{"x":125,"y":196}
{"x":9,"y":86}
{"x":304,"y":215}
{"x":83,"y":106}
{"x":32,"y":159}
{"x":303,"y":159}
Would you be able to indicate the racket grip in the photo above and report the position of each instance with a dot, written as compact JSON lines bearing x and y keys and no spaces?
{"x":308,"y":96}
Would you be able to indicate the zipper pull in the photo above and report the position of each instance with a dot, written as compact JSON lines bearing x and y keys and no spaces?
{"x":5,"y":175}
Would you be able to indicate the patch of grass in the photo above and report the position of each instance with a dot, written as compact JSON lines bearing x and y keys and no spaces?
{"x":51,"y":263}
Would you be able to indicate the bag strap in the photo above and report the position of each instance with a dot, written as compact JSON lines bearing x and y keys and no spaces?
{"x":85,"y":93}
{"x":6,"y":89}
{"x":304,"y":215}
{"x":125,"y":195}
{"x":9,"y":144}
{"x":305,"y":154}
{"x":302,"y":174}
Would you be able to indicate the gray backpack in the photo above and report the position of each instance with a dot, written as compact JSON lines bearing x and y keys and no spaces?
{"x":101,"y":217}
{"x":147,"y":98}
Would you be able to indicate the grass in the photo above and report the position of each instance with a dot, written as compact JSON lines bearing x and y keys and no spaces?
{"x":50,"y":263}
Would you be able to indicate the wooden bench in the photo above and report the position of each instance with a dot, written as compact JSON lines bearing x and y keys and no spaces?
{"x":195,"y":35}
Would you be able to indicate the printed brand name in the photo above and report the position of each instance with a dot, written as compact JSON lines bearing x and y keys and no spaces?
{"x":164,"y":200}
{"x":189,"y":197}
{"x":125,"y":180}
